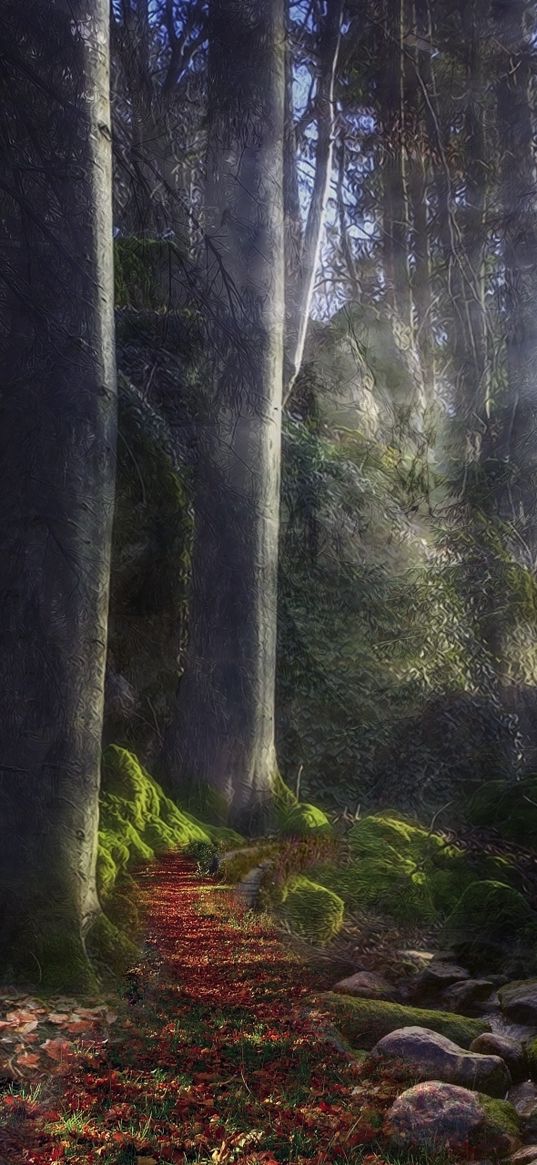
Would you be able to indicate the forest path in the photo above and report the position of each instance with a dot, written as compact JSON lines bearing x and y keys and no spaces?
{"x":216,"y":1056}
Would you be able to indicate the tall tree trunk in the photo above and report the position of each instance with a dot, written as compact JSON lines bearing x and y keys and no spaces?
{"x":57,"y":450}
{"x":299,"y":312}
{"x":394,"y":170}
{"x":519,"y":229}
{"x":221,"y":743}
{"x":418,"y":175}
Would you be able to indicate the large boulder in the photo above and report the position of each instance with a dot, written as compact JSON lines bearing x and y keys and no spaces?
{"x":365,"y":1021}
{"x":511,"y":1051}
{"x":518,"y":1001}
{"x":430,"y":1056}
{"x":435,"y":1114}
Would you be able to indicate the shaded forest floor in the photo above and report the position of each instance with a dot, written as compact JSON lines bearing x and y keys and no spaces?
{"x":219,"y":1052}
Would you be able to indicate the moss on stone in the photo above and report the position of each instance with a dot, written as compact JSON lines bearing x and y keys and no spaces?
{"x":492,"y":922}
{"x":365,"y":1021}
{"x":500,"y":1115}
{"x":138,"y":820}
{"x":403,"y":870}
{"x":303,"y":819}
{"x":311,"y":910}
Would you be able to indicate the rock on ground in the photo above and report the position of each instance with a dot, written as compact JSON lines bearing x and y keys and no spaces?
{"x":437,"y":1115}
{"x":469,"y":996}
{"x":430,"y":1056}
{"x":511,"y":1051}
{"x":519,"y":1001}
{"x":367,"y":985}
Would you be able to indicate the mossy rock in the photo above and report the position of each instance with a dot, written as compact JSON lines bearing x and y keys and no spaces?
{"x":490,"y":923}
{"x":312,"y":911}
{"x":303,"y":819}
{"x":401,"y":869}
{"x":501,"y":1116}
{"x":365,"y":1021}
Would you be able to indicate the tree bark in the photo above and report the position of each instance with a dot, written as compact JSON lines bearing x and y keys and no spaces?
{"x":57,"y":450}
{"x":394,"y":171}
{"x":519,"y":231}
{"x":221,"y":742}
{"x":299,"y":311}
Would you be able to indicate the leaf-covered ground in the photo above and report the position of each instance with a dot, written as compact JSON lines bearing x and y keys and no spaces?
{"x":220,"y":1053}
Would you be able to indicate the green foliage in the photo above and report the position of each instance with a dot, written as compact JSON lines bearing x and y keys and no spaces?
{"x":400,"y":869}
{"x":311,"y":910}
{"x":508,"y":807}
{"x":492,"y":925}
{"x":365,"y":1021}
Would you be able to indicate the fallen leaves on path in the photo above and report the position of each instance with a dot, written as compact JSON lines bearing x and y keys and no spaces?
{"x":219,"y":1057}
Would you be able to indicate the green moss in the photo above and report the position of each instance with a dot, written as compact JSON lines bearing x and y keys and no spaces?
{"x":138,"y":820}
{"x":531,"y":1055}
{"x":313,"y":911}
{"x":235,"y":867}
{"x":492,"y":921}
{"x":365,"y":1021}
{"x":501,"y":1115}
{"x":302,"y":819}
{"x":109,"y":948}
{"x":403,"y":870}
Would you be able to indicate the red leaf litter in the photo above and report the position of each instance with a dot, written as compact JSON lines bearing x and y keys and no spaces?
{"x":215,"y":1052}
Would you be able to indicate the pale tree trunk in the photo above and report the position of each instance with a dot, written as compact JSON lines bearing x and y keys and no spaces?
{"x":57,"y":450}
{"x":221,"y":743}
{"x":519,"y":231}
{"x":418,"y":183}
{"x":300,"y":293}
{"x":394,"y":170}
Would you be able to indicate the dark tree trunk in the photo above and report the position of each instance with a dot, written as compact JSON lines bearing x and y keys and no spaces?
{"x":57,"y":451}
{"x":221,"y":744}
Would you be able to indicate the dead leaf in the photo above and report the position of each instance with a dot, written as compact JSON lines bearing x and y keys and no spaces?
{"x":28,"y":1060}
{"x":146,"y":1161}
{"x":58,"y":1049}
{"x":57,"y":1017}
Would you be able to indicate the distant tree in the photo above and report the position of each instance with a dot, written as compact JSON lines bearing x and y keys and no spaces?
{"x":57,"y":449}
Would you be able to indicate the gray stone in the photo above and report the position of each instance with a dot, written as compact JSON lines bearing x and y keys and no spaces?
{"x":431,"y":1056}
{"x":436,"y":1114}
{"x":367,"y":985}
{"x":518,"y":1001}
{"x":525,"y":1156}
{"x":523,"y":1097}
{"x":511,"y":1051}
{"x":438,"y":975}
{"x":468,"y":997}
